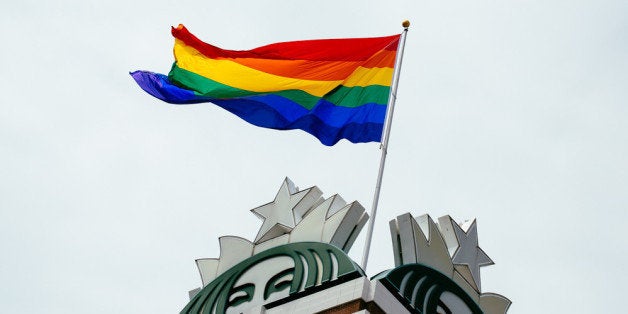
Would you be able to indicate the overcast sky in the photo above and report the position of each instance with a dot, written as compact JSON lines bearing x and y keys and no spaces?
{"x":513,"y":112}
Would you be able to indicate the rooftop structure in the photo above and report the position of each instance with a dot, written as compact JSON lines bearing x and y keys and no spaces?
{"x":298,"y":263}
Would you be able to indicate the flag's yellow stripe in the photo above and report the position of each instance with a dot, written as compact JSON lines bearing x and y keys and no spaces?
{"x":363,"y":77}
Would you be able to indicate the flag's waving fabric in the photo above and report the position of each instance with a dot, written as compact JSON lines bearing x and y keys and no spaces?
{"x":330,"y":88}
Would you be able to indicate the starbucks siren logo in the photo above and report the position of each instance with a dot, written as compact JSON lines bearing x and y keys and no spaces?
{"x":302,"y":243}
{"x":438,"y":267}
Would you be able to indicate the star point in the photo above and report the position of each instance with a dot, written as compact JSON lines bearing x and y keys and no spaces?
{"x":285,"y":211}
{"x":469,"y":252}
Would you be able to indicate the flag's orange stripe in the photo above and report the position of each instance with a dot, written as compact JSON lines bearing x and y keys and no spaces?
{"x":317,"y":70}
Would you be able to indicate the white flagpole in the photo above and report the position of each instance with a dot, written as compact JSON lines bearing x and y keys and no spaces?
{"x":384,"y":145}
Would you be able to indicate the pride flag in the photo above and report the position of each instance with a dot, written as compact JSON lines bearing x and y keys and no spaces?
{"x":330,"y":88}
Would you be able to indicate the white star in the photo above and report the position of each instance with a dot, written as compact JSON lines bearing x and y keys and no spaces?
{"x":469,"y":253}
{"x":285,"y":211}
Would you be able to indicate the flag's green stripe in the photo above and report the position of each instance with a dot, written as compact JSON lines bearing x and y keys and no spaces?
{"x":350,"y":97}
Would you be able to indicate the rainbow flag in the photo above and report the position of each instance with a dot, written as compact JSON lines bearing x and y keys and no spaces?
{"x":330,"y":88}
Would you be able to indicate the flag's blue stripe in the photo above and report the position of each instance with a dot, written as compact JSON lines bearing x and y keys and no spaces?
{"x":329,"y":123}
{"x":263,"y":115}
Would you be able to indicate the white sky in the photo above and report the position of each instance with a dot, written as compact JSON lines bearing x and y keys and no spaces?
{"x":509,"y":111}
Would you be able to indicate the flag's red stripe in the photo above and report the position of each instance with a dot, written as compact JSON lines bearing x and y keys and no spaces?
{"x":349,"y":49}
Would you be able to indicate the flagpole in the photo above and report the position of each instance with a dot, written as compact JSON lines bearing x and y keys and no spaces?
{"x":384,"y":145}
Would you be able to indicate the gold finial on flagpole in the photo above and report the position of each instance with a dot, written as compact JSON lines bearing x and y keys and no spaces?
{"x":405,"y":24}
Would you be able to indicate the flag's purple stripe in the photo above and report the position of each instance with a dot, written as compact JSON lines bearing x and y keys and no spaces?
{"x":329,"y":123}
{"x":159,"y":86}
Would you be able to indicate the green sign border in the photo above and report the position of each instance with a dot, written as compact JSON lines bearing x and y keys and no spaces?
{"x":214,"y":298}
{"x":420,"y":287}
